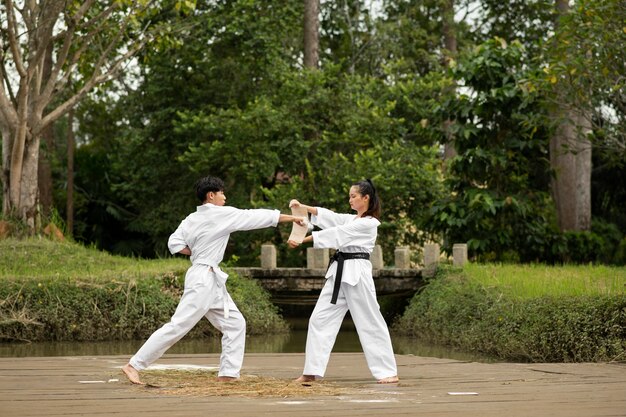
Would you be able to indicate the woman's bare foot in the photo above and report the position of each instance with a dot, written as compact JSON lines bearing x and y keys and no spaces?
{"x":305,"y":378}
{"x":132,"y":374}
{"x":389,"y":380}
{"x":226,"y":378}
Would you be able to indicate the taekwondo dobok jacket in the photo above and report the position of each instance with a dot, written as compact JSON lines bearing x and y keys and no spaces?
{"x":347,"y":233}
{"x":206,"y":233}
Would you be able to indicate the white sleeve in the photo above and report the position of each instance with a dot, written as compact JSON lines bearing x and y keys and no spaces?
{"x":177,"y":241}
{"x":356,"y":233}
{"x":251,"y":219}
{"x":326,"y":218}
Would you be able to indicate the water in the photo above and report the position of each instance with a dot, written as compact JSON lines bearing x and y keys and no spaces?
{"x":292,"y":342}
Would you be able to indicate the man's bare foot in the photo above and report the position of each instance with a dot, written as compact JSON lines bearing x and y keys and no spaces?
{"x":226,"y":378}
{"x":305,"y":378}
{"x":389,"y":380}
{"x":132,"y":374}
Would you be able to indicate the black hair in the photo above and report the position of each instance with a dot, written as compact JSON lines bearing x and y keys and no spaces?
{"x":366,"y":187}
{"x":206,"y":185}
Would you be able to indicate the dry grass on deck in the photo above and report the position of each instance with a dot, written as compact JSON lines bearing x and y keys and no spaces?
{"x":203,"y":383}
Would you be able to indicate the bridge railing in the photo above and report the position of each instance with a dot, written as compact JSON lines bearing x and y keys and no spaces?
{"x":318,"y":258}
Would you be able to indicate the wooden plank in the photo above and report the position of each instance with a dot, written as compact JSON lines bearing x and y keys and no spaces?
{"x":51,"y":387}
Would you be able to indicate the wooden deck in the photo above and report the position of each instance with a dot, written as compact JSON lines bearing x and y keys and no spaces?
{"x":55,"y":386}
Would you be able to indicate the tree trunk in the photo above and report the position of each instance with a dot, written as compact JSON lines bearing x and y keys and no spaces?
{"x":45,"y":157}
{"x":450,"y":52}
{"x":70,"y":173}
{"x":45,"y":171}
{"x":311,"y":33}
{"x":6,"y":173}
{"x":570,"y":158}
{"x":28,"y":202}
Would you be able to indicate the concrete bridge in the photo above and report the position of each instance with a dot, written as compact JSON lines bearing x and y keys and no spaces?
{"x":301,"y":286}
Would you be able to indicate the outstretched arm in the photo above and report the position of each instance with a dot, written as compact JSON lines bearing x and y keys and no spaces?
{"x":293,"y":244}
{"x":309,"y":209}
{"x":288,"y":218}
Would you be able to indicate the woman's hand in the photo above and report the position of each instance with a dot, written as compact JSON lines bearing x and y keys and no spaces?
{"x":294,"y":203}
{"x":301,"y":221}
{"x":293,"y":244}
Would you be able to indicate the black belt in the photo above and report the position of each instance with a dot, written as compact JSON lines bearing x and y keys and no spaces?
{"x":340,"y":257}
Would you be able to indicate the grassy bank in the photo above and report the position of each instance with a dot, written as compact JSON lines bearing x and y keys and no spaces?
{"x":518,"y":312}
{"x":65,"y":291}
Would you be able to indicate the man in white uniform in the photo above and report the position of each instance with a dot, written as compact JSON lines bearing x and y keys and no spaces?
{"x":203,"y":235}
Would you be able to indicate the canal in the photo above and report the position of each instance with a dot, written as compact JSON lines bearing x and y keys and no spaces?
{"x":292,"y":342}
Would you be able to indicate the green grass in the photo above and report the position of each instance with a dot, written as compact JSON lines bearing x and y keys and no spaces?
{"x":40,"y":258}
{"x":533,"y":280}
{"x":523,"y":312}
{"x":65,"y":291}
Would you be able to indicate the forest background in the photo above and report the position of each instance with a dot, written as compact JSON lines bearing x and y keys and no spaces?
{"x":499,"y":124}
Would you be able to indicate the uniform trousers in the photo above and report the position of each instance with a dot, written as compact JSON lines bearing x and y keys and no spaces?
{"x":195,"y":304}
{"x":373,"y":333}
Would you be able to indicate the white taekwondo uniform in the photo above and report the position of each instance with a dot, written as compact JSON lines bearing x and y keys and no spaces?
{"x":206,"y":233}
{"x":350,"y":234}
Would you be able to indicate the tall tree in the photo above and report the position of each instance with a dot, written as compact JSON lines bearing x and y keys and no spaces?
{"x":450,"y":52}
{"x":94,"y":39}
{"x":570,"y":151}
{"x":311,"y":33}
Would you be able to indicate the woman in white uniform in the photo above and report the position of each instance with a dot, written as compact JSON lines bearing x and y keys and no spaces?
{"x":349,"y":286}
{"x":203,"y":236}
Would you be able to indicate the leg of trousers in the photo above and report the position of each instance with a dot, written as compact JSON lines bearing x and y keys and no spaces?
{"x":233,"y":338}
{"x":192,"y":307}
{"x":324,"y":325}
{"x":372,"y":329}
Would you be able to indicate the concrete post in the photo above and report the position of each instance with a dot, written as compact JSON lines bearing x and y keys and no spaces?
{"x":317,"y":258}
{"x":431,"y":258}
{"x":268,"y":256}
{"x":402,"y":256}
{"x":377,"y":257}
{"x":459,"y":254}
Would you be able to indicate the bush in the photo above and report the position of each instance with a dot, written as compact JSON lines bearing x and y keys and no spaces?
{"x":584,"y":247}
{"x":455,"y":311}
{"x":68,"y":309}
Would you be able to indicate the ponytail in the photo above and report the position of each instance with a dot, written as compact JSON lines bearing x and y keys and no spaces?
{"x":366,"y":187}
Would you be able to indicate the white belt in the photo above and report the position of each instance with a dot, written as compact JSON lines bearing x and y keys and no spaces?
{"x":221,"y":282}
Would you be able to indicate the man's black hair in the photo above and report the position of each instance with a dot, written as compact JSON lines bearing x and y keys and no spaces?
{"x":206,"y":185}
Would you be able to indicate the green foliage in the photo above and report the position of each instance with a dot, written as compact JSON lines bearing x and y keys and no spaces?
{"x":498,"y":200}
{"x":453,"y":309}
{"x":225,"y":94}
{"x":584,"y":68}
{"x":68,"y":292}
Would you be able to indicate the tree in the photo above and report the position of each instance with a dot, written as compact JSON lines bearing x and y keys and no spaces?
{"x":570,"y":150}
{"x":497,"y":198}
{"x":91,"y":41}
{"x":450,"y":52}
{"x":311,"y":33}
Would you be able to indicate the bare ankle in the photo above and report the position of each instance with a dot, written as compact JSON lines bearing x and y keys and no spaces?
{"x":389,"y":380}
{"x":132,"y":374}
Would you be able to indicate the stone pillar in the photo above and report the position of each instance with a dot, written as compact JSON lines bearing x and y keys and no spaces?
{"x":402,"y":256}
{"x":317,"y":258}
{"x":431,"y":258}
{"x":268,"y":256}
{"x":377,"y":257}
{"x":459,"y":254}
